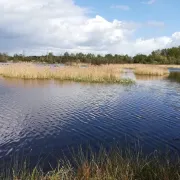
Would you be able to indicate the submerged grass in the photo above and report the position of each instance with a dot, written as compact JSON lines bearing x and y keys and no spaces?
{"x":104,"y":165}
{"x":93,"y":74}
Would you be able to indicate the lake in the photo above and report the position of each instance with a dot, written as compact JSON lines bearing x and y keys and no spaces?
{"x":47,"y":118}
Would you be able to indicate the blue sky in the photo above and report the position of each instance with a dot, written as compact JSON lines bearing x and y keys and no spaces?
{"x":95,"y":26}
{"x":165,"y":11}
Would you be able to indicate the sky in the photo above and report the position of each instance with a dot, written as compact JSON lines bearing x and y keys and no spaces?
{"x":35,"y":27}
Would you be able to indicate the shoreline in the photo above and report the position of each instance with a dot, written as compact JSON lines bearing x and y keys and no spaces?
{"x":105,"y":164}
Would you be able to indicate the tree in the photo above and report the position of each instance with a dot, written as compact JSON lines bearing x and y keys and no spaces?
{"x":140,"y":58}
{"x":3,"y":57}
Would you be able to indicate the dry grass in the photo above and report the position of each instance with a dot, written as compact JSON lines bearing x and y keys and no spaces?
{"x":99,"y":74}
{"x":148,"y":69}
{"x":151,"y":71}
{"x":131,"y":66}
{"x":169,"y":66}
{"x":25,"y":71}
{"x":90,"y":74}
{"x":134,"y":66}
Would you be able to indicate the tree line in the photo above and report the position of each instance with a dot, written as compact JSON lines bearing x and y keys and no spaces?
{"x":164,"y":56}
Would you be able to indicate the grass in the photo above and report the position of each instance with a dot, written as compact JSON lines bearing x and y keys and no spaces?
{"x":104,"y":165}
{"x":170,"y":66}
{"x":151,"y":71}
{"x":77,"y":73}
{"x":92,"y":74}
{"x":134,"y":66}
{"x":148,"y":69}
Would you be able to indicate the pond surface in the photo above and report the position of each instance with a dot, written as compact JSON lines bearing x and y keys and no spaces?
{"x":48,"y":117}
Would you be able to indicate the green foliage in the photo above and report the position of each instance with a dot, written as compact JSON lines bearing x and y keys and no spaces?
{"x":140,"y":58}
{"x":113,"y":164}
{"x":3,"y":57}
{"x":164,"y":56}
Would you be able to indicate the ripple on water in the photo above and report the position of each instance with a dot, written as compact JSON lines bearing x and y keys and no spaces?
{"x":44,"y":118}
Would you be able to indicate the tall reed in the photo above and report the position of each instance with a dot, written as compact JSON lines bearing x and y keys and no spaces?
{"x":151,"y":70}
{"x":97,"y":74}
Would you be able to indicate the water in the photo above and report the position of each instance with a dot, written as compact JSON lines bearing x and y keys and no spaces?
{"x":175,"y":76}
{"x":174,"y":69}
{"x":42,"y":118}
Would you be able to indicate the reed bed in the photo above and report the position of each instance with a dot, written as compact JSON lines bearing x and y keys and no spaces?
{"x":93,"y":74}
{"x":151,"y":71}
{"x":131,"y":66}
{"x":134,"y":66}
{"x":170,"y":66}
{"x":104,"y":165}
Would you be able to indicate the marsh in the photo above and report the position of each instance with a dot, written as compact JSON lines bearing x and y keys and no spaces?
{"x":43,"y":119}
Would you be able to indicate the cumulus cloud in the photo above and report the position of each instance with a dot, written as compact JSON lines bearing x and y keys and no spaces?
{"x":38,"y":26}
{"x":121,"y":7}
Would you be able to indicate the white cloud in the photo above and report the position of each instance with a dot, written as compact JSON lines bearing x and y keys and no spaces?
{"x":149,"y":2}
{"x":156,"y":23}
{"x":38,"y":26}
{"x":121,"y":7}
{"x":176,"y":35}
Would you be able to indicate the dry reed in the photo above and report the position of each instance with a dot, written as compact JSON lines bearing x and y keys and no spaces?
{"x":99,"y":74}
{"x":151,"y":71}
{"x":169,"y":66}
{"x":134,"y":66}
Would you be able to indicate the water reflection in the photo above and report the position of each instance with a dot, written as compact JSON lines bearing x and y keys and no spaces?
{"x":149,"y":78}
{"x":13,"y":82}
{"x":128,"y":74}
{"x":174,"y":69}
{"x":175,"y":76}
{"x":43,"y":117}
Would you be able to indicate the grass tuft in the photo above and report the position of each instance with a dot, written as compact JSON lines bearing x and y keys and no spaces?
{"x":106,"y":165}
